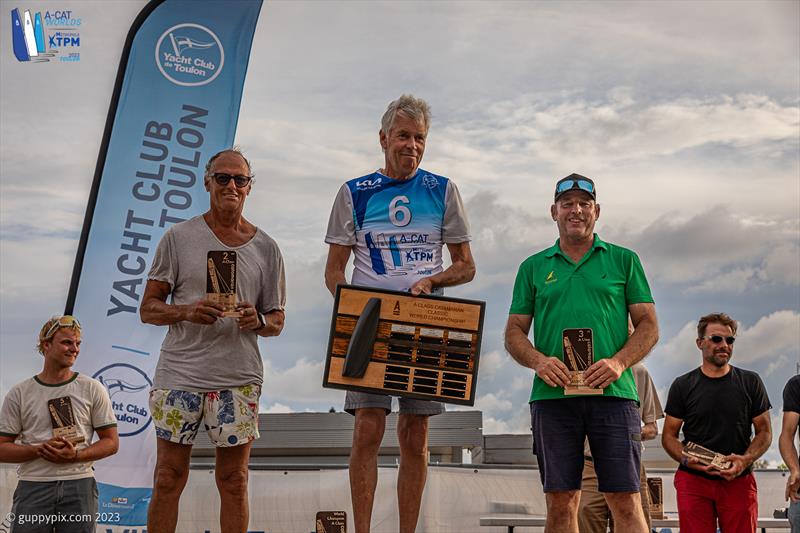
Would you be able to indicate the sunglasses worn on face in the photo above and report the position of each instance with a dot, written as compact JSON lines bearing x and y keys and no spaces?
{"x":716,"y":339}
{"x":223,"y":179}
{"x":583,"y":185}
{"x":66,"y":321}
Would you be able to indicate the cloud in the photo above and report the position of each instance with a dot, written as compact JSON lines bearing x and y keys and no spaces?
{"x":568,"y":129}
{"x":298,"y":385}
{"x":491,"y":362}
{"x":716,"y":250}
{"x":774,"y":338}
{"x":493,"y":403}
{"x":774,"y":366}
{"x":275,"y":408}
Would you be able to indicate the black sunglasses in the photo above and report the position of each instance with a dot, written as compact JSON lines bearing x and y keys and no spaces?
{"x":240,"y":181}
{"x":716,"y":339}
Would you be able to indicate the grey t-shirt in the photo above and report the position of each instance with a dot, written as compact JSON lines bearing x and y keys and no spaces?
{"x":203,"y":358}
{"x":26,"y":417}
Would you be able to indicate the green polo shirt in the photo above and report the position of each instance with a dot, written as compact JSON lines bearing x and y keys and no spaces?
{"x":593,"y":293}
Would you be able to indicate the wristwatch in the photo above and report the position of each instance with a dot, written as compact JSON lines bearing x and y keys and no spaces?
{"x":262,"y":320}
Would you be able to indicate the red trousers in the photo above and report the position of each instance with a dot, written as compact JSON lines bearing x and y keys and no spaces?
{"x":701,"y":502}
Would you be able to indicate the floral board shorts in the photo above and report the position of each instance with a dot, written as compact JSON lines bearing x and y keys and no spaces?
{"x":229,"y":416}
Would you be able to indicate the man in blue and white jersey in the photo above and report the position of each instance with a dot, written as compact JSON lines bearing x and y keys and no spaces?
{"x":396,"y":221}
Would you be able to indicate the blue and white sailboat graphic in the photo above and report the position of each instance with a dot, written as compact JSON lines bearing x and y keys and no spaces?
{"x":30,"y":35}
{"x":39,"y":33}
{"x":18,"y":37}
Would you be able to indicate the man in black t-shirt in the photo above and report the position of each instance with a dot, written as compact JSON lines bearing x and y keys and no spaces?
{"x":791,"y":417}
{"x":718,"y":405}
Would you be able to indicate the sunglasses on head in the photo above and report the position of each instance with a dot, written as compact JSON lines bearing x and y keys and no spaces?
{"x":716,"y":339}
{"x":569,"y":184}
{"x":66,"y":321}
{"x":240,"y":181}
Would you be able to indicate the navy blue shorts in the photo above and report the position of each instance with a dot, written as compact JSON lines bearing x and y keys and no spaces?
{"x":613,"y":427}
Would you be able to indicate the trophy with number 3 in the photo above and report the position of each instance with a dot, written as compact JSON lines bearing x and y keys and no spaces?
{"x":578,"y":356}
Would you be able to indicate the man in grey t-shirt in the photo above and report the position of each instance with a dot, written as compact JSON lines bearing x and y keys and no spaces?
{"x":209,"y":371}
{"x":396,"y":221}
{"x":46,"y":426}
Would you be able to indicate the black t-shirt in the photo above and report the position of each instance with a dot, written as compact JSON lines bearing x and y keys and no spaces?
{"x":718,"y":412}
{"x":791,"y":395}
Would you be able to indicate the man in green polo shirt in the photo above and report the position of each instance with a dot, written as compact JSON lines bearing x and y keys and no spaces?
{"x":580,"y":292}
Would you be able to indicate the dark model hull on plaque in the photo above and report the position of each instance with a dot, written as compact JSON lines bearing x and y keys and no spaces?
{"x":390,"y":342}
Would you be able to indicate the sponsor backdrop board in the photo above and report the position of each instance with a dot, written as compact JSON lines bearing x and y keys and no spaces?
{"x":175,"y":103}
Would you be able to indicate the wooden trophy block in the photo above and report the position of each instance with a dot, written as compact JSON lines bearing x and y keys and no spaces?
{"x":62,"y":417}
{"x":578,"y":356}
{"x":384,"y":341}
{"x":221,"y":280}
{"x":706,"y":456}
{"x":331,"y":522}
{"x":655,"y":487}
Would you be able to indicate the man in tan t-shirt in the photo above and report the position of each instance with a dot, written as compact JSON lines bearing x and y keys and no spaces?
{"x":47,"y":423}
{"x":593,"y":513}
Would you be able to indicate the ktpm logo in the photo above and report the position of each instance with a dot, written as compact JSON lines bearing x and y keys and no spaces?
{"x":27,"y":37}
{"x":128,"y":387}
{"x":189,"y":55}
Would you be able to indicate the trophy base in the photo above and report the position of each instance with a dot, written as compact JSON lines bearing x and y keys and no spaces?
{"x":582,"y":390}
{"x":233,"y":314}
{"x":69,"y":433}
{"x":577,"y":386}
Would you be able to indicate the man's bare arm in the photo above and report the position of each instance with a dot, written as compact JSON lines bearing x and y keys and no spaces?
{"x":550,"y":369}
{"x":11,"y":452}
{"x":155,"y":309}
{"x":338,"y":256}
{"x":649,"y":431}
{"x":62,"y":451}
{"x":674,"y":447}
{"x":461,"y":271}
{"x":275,"y":320}
{"x":645,"y":335}
{"x":789,"y":452}
{"x":758,"y":446}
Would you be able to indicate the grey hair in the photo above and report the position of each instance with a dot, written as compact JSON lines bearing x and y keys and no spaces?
{"x":233,"y":150}
{"x":410,"y":106}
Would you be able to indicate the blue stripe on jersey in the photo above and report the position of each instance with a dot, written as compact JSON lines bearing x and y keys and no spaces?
{"x":375,"y":255}
{"x":395,"y":251}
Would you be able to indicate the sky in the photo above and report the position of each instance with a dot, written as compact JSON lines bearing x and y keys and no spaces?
{"x":686,"y":115}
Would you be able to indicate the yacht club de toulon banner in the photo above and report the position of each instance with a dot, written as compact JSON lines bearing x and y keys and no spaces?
{"x":175,"y":103}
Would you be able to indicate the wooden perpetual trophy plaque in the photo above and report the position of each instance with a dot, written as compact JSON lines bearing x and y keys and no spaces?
{"x":221,"y":280}
{"x":390,"y":342}
{"x":578,"y":356}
